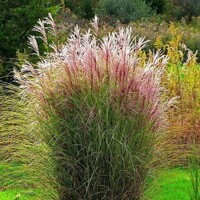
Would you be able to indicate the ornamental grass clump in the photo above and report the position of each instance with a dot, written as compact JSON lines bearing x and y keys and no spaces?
{"x":100,"y":109}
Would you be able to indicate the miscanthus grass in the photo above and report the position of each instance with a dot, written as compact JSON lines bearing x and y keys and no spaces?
{"x":99,"y":113}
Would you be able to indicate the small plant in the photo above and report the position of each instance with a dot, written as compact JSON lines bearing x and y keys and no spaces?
{"x":194,"y":165}
{"x":17,"y":197}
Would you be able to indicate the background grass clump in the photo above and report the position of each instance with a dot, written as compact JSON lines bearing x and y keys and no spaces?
{"x":182,"y":80}
{"x":26,"y":167}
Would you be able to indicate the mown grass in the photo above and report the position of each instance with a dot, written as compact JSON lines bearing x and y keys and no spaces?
{"x":15,"y":194}
{"x":172,"y":184}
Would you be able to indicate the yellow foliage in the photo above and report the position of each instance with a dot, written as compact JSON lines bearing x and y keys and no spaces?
{"x":182,"y":80}
{"x":158,"y":43}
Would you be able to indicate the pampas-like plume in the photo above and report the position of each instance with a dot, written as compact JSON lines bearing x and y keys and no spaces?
{"x":95,"y":24}
{"x":33,"y":44}
{"x":82,"y":61}
{"x":52,"y":29}
{"x":40,"y":28}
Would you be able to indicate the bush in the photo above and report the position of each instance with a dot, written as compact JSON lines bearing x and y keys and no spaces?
{"x":82,"y":8}
{"x":125,"y":11}
{"x":190,"y":8}
{"x":158,"y":5}
{"x":176,"y":10}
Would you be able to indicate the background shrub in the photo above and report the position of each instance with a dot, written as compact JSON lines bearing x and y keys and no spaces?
{"x":177,"y":9}
{"x":158,"y":5}
{"x":82,"y":8}
{"x":190,"y":8}
{"x":127,"y":10}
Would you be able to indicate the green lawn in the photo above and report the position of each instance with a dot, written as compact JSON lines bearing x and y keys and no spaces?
{"x":17,"y":194}
{"x":14,"y":193}
{"x":172,"y":185}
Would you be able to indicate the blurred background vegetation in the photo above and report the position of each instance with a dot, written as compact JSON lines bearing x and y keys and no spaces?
{"x":149,"y":18}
